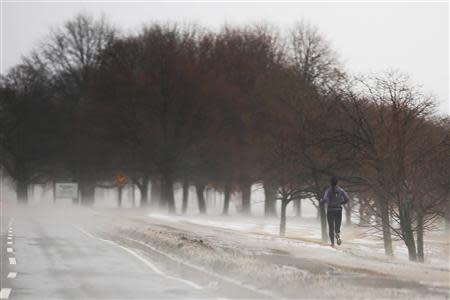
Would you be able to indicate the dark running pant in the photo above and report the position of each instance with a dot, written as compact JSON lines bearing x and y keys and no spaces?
{"x":334,"y":218}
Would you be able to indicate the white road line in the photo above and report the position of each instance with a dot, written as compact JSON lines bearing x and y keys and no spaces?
{"x":9,"y":250}
{"x":12,"y":261}
{"x":9,"y":243}
{"x":9,"y":238}
{"x":12,"y":274}
{"x":199,"y":268}
{"x":4,"y":293}
{"x":145,"y":261}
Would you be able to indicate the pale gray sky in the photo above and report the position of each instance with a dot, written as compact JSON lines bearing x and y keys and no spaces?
{"x":370,"y":37}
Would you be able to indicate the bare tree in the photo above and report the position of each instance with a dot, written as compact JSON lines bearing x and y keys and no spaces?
{"x":27,"y":119}
{"x":314,"y":59}
{"x":71,"y":55}
{"x":389,"y":125}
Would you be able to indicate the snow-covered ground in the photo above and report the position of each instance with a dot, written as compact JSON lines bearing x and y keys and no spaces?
{"x":249,"y":250}
{"x":243,"y":256}
{"x":307,"y":232}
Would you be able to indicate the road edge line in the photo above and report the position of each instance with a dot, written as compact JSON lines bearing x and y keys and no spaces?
{"x":201,"y":269}
{"x":142,"y":259}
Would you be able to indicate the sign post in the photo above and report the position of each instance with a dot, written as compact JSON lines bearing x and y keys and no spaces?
{"x":121,"y":181}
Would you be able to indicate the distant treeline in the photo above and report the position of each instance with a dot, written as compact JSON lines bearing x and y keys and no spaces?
{"x":227,"y":109}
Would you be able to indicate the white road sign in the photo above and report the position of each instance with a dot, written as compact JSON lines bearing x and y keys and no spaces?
{"x":66,"y":190}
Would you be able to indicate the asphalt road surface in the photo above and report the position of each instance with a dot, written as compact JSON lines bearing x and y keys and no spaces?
{"x":48,"y":256}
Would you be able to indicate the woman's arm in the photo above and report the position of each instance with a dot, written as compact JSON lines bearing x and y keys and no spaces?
{"x":345,"y":196}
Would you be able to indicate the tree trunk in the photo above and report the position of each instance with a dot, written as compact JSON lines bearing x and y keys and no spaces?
{"x":246,"y":189}
{"x":167,"y":196}
{"x":75,"y":201}
{"x":22,"y":184}
{"x":226,"y":199}
{"x":200,"y":188}
{"x":270,"y":208}
{"x":447,"y":219}
{"x":406,"y":227}
{"x":362,"y":210}
{"x":133,"y":199}
{"x":31,"y":189}
{"x":323,"y":222}
{"x":54,"y":192}
{"x":155,"y":194}
{"x":143,"y":190}
{"x":420,"y":250}
{"x":298,"y":207}
{"x":22,"y":191}
{"x":411,"y":245}
{"x":284,"y":203}
{"x":87,"y":191}
{"x":383,"y":214}
{"x":185,"y":195}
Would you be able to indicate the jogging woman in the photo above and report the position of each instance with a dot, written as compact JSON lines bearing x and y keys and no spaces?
{"x":334,"y":196}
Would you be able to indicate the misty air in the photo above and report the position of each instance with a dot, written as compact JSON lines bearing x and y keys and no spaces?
{"x":213,"y":151}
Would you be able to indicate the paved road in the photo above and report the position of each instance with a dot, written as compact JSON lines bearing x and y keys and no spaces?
{"x":58,"y":259}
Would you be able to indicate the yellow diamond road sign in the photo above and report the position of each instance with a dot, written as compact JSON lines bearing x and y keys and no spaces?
{"x":121,"y":179}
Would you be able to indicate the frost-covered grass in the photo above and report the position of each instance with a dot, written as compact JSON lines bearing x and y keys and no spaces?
{"x":261,"y":267}
{"x":361,"y":250}
{"x":249,"y":251}
{"x":308,"y":233}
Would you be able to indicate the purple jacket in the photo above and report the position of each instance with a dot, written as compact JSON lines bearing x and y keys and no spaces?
{"x":335,"y":198}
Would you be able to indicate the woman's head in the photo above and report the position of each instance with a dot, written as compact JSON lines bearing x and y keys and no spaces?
{"x":333,"y":181}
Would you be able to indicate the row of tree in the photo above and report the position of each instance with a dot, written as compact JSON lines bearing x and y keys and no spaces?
{"x":228,"y":109}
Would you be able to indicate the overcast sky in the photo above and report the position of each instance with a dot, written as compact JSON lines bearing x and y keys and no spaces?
{"x":369,"y":37}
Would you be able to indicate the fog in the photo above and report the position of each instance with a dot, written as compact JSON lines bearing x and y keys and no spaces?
{"x":143,"y":157}
{"x":210,"y":256}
